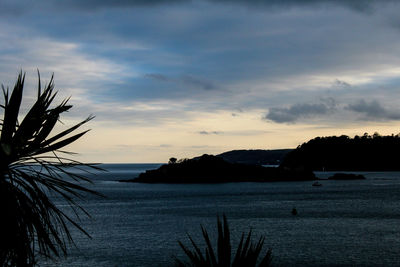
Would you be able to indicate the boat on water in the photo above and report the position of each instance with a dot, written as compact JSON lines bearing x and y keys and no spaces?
{"x":316,"y":184}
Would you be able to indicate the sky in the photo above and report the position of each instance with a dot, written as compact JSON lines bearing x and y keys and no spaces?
{"x":180,"y":78}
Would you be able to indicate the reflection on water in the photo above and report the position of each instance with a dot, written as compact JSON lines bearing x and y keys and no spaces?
{"x":339,"y":223}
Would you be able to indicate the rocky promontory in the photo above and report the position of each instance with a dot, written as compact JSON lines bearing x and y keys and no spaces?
{"x":212,"y":169}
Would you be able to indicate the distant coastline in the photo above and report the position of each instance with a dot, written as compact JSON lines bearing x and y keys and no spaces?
{"x":365,"y":153}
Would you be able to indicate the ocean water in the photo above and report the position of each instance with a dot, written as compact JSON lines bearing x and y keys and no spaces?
{"x":342,"y":223}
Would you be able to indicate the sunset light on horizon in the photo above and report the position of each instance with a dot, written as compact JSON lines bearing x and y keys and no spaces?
{"x":184,"y":78}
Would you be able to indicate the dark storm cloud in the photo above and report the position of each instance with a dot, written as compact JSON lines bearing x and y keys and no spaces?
{"x":360,"y":5}
{"x":186,"y":80}
{"x":11,"y":8}
{"x":298,"y":111}
{"x":369,"y":111}
{"x":200,"y":50}
{"x":92,"y":5}
{"x":373,"y":110}
{"x":98,"y":4}
{"x":121,"y":2}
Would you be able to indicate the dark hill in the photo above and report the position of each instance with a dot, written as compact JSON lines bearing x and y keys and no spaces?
{"x":212,"y":169}
{"x":257,"y":156}
{"x":333,"y":153}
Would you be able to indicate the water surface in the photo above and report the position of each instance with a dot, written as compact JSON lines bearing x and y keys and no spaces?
{"x":342,"y":223}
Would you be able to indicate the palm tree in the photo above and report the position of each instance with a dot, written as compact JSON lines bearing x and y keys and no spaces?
{"x":247,"y":253}
{"x":32,"y":165}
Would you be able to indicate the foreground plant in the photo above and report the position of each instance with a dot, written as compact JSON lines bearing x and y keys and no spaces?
{"x":31,"y":167}
{"x":247,"y":253}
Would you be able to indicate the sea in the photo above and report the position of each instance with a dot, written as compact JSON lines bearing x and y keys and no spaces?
{"x":341,"y":223}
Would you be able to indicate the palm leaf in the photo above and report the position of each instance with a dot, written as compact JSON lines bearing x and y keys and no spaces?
{"x":11,"y":110}
{"x":30,"y":168}
{"x":247,"y":253}
{"x":209,"y":249}
{"x":66,"y":132}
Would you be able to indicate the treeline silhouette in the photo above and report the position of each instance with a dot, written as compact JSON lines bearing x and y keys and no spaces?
{"x":332,"y":153}
{"x":213,"y":169}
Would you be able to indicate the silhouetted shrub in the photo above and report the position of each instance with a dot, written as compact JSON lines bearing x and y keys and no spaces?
{"x":31,"y":166}
{"x":247,"y":253}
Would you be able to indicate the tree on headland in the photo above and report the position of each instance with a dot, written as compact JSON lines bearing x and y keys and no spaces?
{"x":172,"y":160}
{"x":32,"y":165}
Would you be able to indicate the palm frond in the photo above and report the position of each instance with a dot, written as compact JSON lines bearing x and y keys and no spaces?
{"x":30,"y":169}
{"x":247,"y":253}
{"x":11,"y":110}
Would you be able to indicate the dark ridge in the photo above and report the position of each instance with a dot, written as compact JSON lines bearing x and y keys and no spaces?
{"x":333,"y":153}
{"x":213,"y":169}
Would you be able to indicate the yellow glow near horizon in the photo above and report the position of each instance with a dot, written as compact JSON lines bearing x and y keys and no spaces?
{"x":140,"y":144}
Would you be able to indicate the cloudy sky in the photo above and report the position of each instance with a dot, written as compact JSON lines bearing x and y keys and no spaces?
{"x":186,"y":77}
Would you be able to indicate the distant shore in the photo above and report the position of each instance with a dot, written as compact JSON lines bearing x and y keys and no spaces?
{"x":213,"y":169}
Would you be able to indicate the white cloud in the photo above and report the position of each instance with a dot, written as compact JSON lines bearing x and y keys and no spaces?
{"x":73,"y":68}
{"x":205,"y":61}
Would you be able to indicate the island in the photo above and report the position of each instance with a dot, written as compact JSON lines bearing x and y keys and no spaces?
{"x":213,"y":169}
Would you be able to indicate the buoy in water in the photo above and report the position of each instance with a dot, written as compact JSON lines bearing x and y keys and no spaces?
{"x":294,"y":211}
